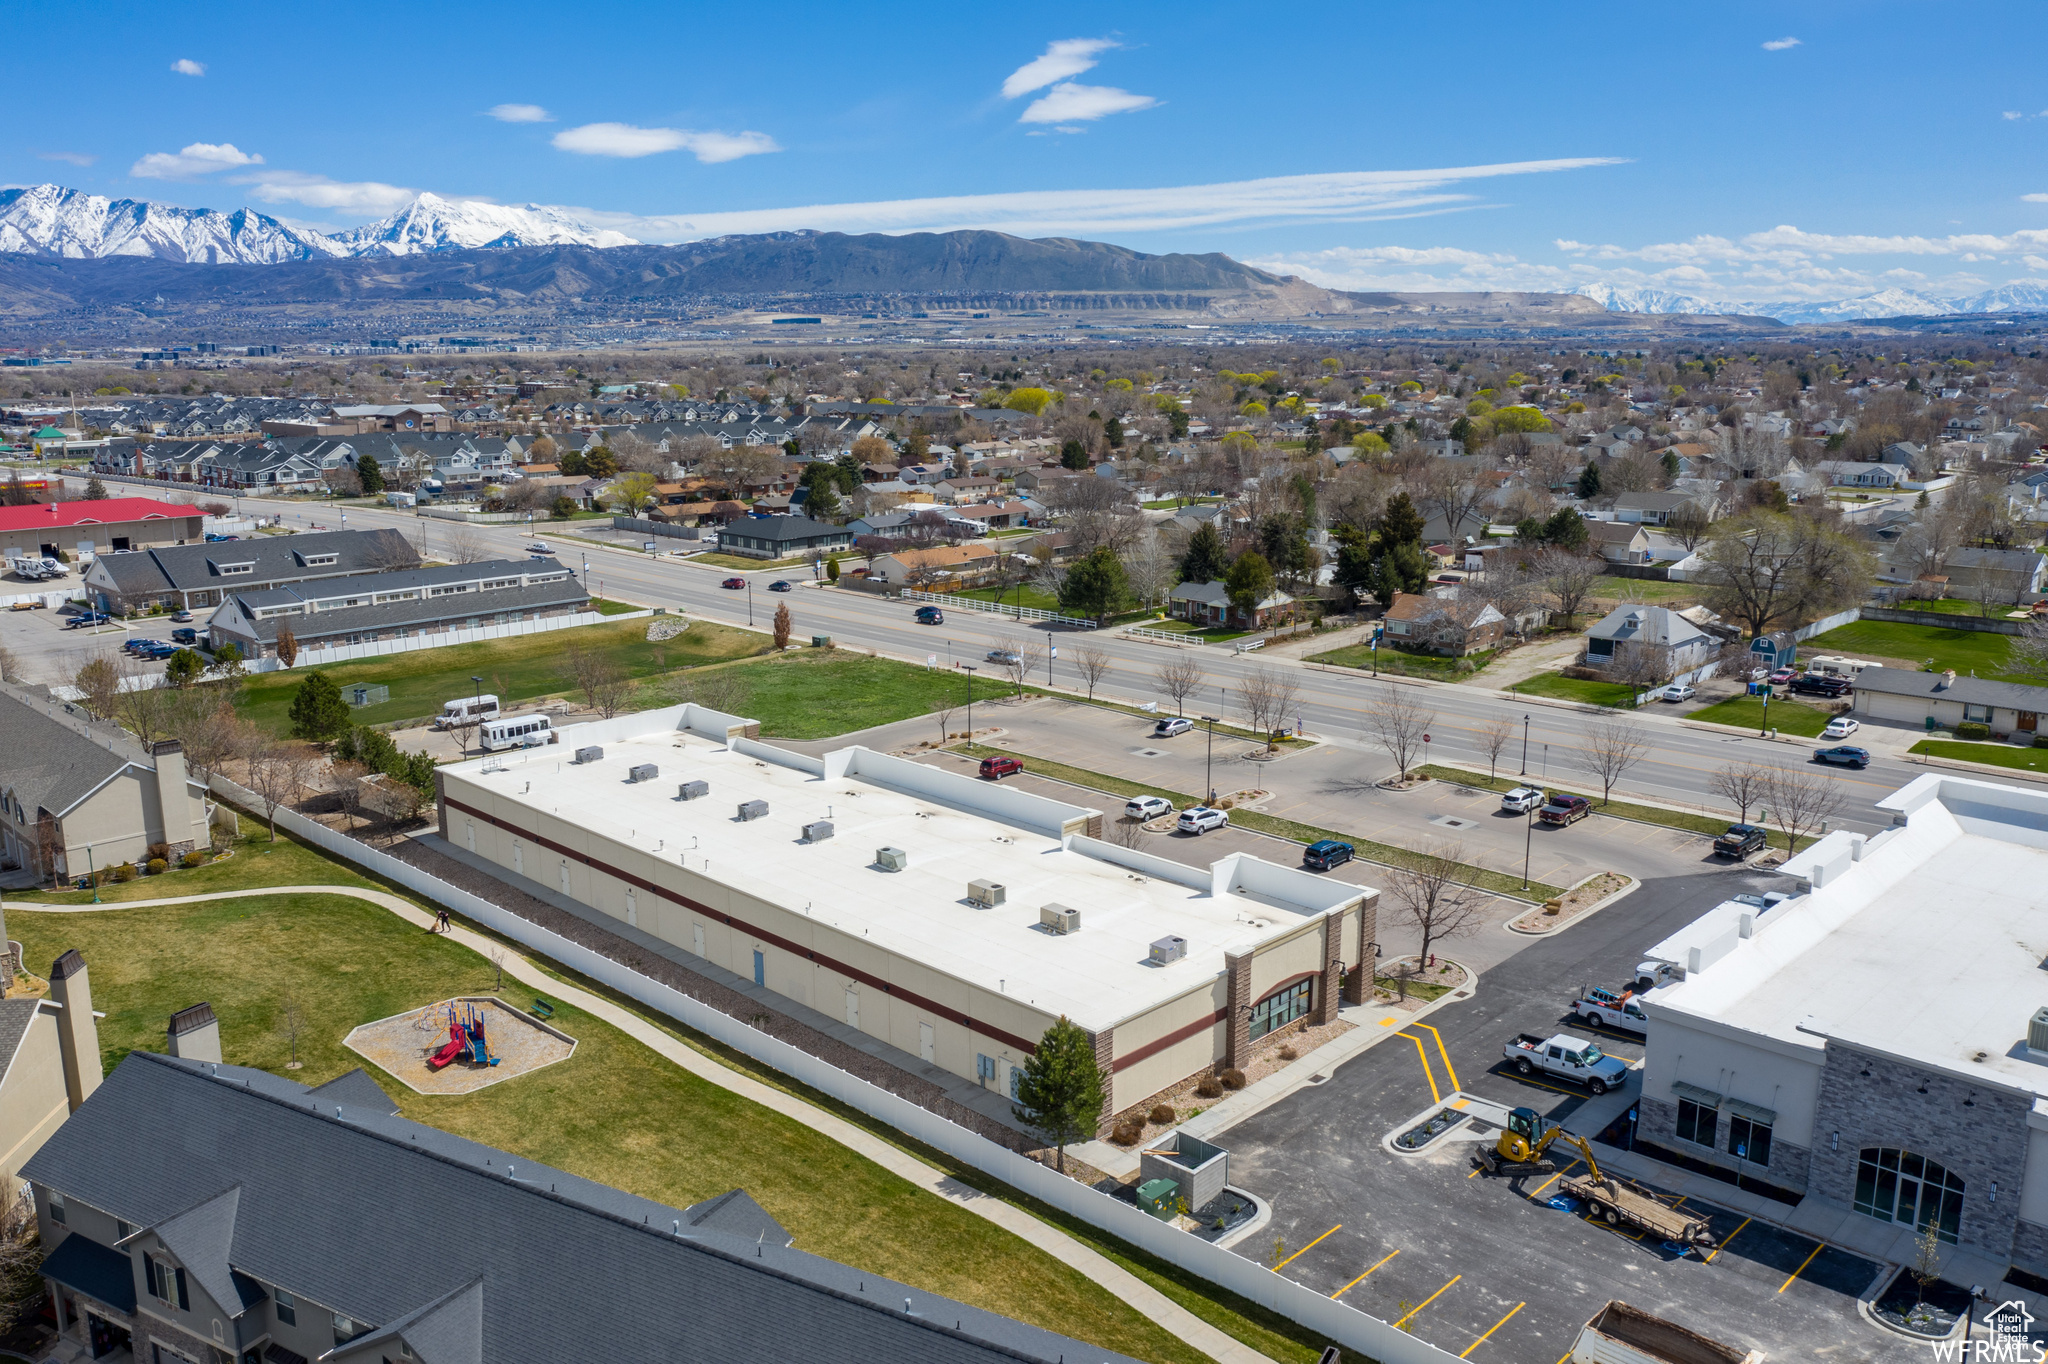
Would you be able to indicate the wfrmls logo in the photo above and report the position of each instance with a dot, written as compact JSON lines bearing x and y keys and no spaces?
{"x":2010,"y":1325}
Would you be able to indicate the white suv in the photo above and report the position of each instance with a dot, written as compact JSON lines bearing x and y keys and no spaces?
{"x":1522,"y":799}
{"x":1201,"y":820}
{"x":1148,"y":807}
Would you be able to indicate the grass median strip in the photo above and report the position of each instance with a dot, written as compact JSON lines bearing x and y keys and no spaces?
{"x":1991,"y":755}
{"x":1747,"y":712}
{"x":1498,"y":883}
{"x":1709,"y":825}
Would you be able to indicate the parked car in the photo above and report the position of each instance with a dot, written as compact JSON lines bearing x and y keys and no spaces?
{"x":539,"y":547}
{"x":734,"y":584}
{"x":995,"y":769}
{"x":182,"y":617}
{"x":84,"y":618}
{"x":781,"y":585}
{"x":1782,"y":676}
{"x":1821,"y":684}
{"x":1327,"y":854}
{"x":1522,"y":799}
{"x":1569,"y":1058}
{"x":929,"y":615}
{"x":1740,"y":841}
{"x":1844,"y":755}
{"x":219,"y":539}
{"x":1602,"y":1008}
{"x":1565,"y":810}
{"x":1201,"y":820}
{"x":155,"y":650}
{"x":1148,"y":807}
{"x":137,"y":644}
{"x":1841,"y":727}
{"x":1007,"y":657}
{"x":1172,"y":725}
{"x":185,"y":636}
{"x":1677,"y":691}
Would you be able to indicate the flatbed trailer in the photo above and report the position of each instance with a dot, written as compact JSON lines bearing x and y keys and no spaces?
{"x":1621,"y":1204}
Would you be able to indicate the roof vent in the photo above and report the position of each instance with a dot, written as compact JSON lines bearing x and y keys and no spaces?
{"x":693,"y":790}
{"x":817,"y":831}
{"x":1167,"y":950}
{"x":753,"y":809}
{"x":985,"y":893}
{"x":642,"y":772}
{"x":1060,"y":919}
{"x":2037,"y":1031}
{"x":589,"y":755}
{"x":892,"y":859}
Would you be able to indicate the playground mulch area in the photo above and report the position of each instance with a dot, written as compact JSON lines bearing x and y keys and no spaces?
{"x":402,"y":1043}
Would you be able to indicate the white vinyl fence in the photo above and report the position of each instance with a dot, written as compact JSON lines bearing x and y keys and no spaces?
{"x":1334,"y":1320}
{"x":310,"y":657}
{"x":995,"y":608}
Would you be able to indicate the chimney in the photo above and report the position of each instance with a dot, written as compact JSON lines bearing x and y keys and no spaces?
{"x":173,"y":799}
{"x":195,"y":1034}
{"x":78,"y":1035}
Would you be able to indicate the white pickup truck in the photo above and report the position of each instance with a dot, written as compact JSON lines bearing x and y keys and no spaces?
{"x":1600,"y":1008}
{"x":1570,"y":1058}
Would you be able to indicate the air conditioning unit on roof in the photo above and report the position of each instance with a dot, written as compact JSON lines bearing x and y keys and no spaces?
{"x":985,"y":893}
{"x":891,"y":859}
{"x":1168,"y":950}
{"x":642,"y":772}
{"x":1061,"y":919}
{"x":753,"y":809}
{"x":693,"y":790}
{"x":589,"y":755}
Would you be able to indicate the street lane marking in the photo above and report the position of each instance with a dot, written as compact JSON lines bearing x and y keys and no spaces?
{"x":1307,"y":1248}
{"x":1445,"y":1054}
{"x":1427,"y":1301}
{"x":1725,"y":1240}
{"x":1435,"y":1094}
{"x":1361,"y":1278}
{"x":1466,"y":1353}
{"x":1802,"y":1266}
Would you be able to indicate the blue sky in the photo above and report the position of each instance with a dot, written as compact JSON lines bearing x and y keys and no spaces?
{"x":1736,"y":151}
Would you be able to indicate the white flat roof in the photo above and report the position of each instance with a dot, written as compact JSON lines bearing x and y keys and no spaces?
{"x":1097,"y":977}
{"x":1930,"y":947}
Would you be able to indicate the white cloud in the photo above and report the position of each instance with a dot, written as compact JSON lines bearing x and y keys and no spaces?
{"x":2012,"y":114}
{"x":318,"y":191}
{"x":1780,"y":44}
{"x":1344,"y":196}
{"x":625,"y":140}
{"x":199,"y":158}
{"x":73,"y":158}
{"x":1069,"y":103}
{"x":1061,"y":59}
{"x":520,"y":113}
{"x":185,"y":66}
{"x":2034,"y":198}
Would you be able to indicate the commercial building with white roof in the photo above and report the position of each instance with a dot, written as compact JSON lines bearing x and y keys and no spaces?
{"x":1878,"y":1042}
{"x":856,"y":884}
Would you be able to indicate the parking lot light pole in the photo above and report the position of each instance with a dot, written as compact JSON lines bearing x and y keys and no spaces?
{"x":969,"y":669}
{"x":1209,"y":763}
{"x":479,"y":693}
{"x":1528,"y":837}
{"x":1525,"y":744}
{"x":750,"y":602}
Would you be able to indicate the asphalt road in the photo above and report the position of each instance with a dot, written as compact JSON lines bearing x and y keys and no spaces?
{"x":1417,"y":1226}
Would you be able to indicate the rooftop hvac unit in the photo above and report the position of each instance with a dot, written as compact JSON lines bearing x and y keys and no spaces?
{"x":754,"y":809}
{"x":2037,"y":1031}
{"x":987,"y":894}
{"x":1167,"y":950}
{"x":817,"y":831}
{"x":643,"y":772}
{"x":693,"y":790}
{"x":891,"y":859}
{"x":589,"y":755}
{"x":1060,"y":919}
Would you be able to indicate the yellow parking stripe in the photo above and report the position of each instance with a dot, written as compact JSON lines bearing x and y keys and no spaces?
{"x":1725,"y":1240}
{"x":1361,"y":1278}
{"x":1554,"y":1178}
{"x":1435,"y":1094}
{"x":1427,"y":1301}
{"x":1307,"y":1248}
{"x":1444,"y":1054}
{"x":1520,"y":1078}
{"x":1802,"y":1266}
{"x":1491,"y":1329}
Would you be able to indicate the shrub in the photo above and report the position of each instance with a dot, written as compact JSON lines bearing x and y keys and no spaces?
{"x":1233,"y":1078}
{"x":1289,"y":1054}
{"x":157,"y":866}
{"x":1127,"y":1133}
{"x":157,"y":850}
{"x":2041,"y":741}
{"x":125,"y":872}
{"x":1973,"y":729}
{"x":1209,"y":1088}
{"x":192,"y":859}
{"x":1162,"y":1113}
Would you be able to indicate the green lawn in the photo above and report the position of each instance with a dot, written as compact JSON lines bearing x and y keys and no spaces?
{"x":817,"y":693}
{"x":605,"y":606}
{"x":518,"y":669}
{"x":745,"y":564}
{"x":1400,"y":663}
{"x":1952,"y":606}
{"x":1611,"y":694}
{"x":1747,"y":712}
{"x":1619,"y":809}
{"x":1995,"y":755}
{"x":1649,"y":591}
{"x":1963,"y":650}
{"x":1014,"y":595}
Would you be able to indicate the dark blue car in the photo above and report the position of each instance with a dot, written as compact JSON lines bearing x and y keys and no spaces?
{"x":930,"y":615}
{"x":1326,"y":854}
{"x":1843,"y":755}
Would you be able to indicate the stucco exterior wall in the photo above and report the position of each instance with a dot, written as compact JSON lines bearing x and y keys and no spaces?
{"x":32,"y":1100}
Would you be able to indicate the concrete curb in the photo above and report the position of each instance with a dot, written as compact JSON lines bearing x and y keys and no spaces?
{"x":1588,"y":912}
{"x":1971,"y":769}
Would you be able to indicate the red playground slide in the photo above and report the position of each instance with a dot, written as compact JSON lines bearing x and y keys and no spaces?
{"x":456,"y":1044}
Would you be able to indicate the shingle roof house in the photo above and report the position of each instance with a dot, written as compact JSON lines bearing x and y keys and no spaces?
{"x":267,"y":1220}
{"x":201,"y":575}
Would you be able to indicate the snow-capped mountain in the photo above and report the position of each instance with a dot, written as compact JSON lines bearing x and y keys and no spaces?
{"x":50,"y":220}
{"x":54,"y":221}
{"x":1883,"y":303}
{"x":431,"y":223}
{"x":2021,"y":296}
{"x":1618,"y":300}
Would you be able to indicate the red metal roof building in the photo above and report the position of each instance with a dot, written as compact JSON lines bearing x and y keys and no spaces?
{"x":104,"y":526}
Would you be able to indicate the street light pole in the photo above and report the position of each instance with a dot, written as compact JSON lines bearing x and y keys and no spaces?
{"x":1528,"y":836}
{"x":969,"y":669}
{"x":1209,"y":763}
{"x":1525,"y":744}
{"x":750,"y":602}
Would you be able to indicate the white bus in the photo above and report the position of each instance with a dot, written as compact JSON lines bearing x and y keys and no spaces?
{"x":468,"y":710}
{"x":516,"y":731}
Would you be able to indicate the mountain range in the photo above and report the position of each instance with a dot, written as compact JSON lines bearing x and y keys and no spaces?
{"x":2022,"y":296}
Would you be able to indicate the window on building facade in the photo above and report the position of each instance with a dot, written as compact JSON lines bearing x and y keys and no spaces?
{"x":286,"y":1305}
{"x":1696,"y":1123}
{"x":1276,"y":1011}
{"x":1749,"y":1139}
{"x":1898,"y":1186}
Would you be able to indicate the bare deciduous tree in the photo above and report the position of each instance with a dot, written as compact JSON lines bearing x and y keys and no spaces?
{"x":1268,"y":694}
{"x":1642,"y":666}
{"x":277,"y":773}
{"x":1126,"y":832}
{"x":1434,"y":895}
{"x":1688,"y":524}
{"x":1018,"y":657}
{"x":600,"y":677}
{"x":1493,"y":738}
{"x":1180,"y":679}
{"x":100,"y":678}
{"x":1093,"y":664}
{"x":1742,"y":785}
{"x":1800,"y":801}
{"x":348,"y":789}
{"x":21,"y":1256}
{"x":1398,"y":725}
{"x":466,"y":545}
{"x":2028,"y":653}
{"x":291,"y":1019}
{"x":1612,"y":748}
{"x":723,"y":690}
{"x":1567,"y":576}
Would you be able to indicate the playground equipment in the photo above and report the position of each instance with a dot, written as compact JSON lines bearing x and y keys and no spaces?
{"x":467,"y":1040}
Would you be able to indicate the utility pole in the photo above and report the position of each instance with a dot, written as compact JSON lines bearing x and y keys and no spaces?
{"x":1525,"y":744}
{"x":969,"y":669}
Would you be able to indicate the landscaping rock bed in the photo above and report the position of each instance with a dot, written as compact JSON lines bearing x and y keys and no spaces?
{"x":1931,"y":1315}
{"x":1184,"y":1102}
{"x":1586,"y":895}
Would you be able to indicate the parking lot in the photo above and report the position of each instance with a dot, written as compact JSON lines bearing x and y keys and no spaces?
{"x":45,"y":652}
{"x":1490,"y":1268}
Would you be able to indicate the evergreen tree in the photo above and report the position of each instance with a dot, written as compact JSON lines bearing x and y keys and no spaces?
{"x":1399,"y":568}
{"x":1400,"y":523}
{"x":95,"y":491}
{"x":1589,"y":482}
{"x":1250,"y":582}
{"x":1061,"y":1090}
{"x":372,"y":476}
{"x":318,"y":713}
{"x":183,"y":668}
{"x":1353,"y":570}
{"x":1461,"y":432}
{"x":1113,"y":432}
{"x":1205,"y":560}
{"x":1565,"y":527}
{"x":1073,"y":455}
{"x":1672,"y":467}
{"x":1095,"y":585}
{"x":1177,"y":424}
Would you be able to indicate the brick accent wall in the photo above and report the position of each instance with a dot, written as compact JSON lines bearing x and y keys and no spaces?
{"x":1237,"y":1029}
{"x":1657,"y":1121}
{"x":1324,"y":1010}
{"x":179,"y":1339}
{"x":1979,"y":1134}
{"x":2030,"y":1246}
{"x":1105,"y":1058}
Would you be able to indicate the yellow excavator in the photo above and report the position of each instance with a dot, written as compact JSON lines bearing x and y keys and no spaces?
{"x":1520,"y":1150}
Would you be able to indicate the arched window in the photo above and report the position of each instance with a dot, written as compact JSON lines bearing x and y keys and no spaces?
{"x":1898,"y":1186}
{"x":1282,"y":1007}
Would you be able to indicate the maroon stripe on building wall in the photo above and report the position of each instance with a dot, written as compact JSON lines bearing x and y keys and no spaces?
{"x":944,"y":1011}
{"x":1177,"y":1035}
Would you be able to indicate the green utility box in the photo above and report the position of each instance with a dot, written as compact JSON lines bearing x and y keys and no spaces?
{"x":1160,"y":1197}
{"x":821,"y":641}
